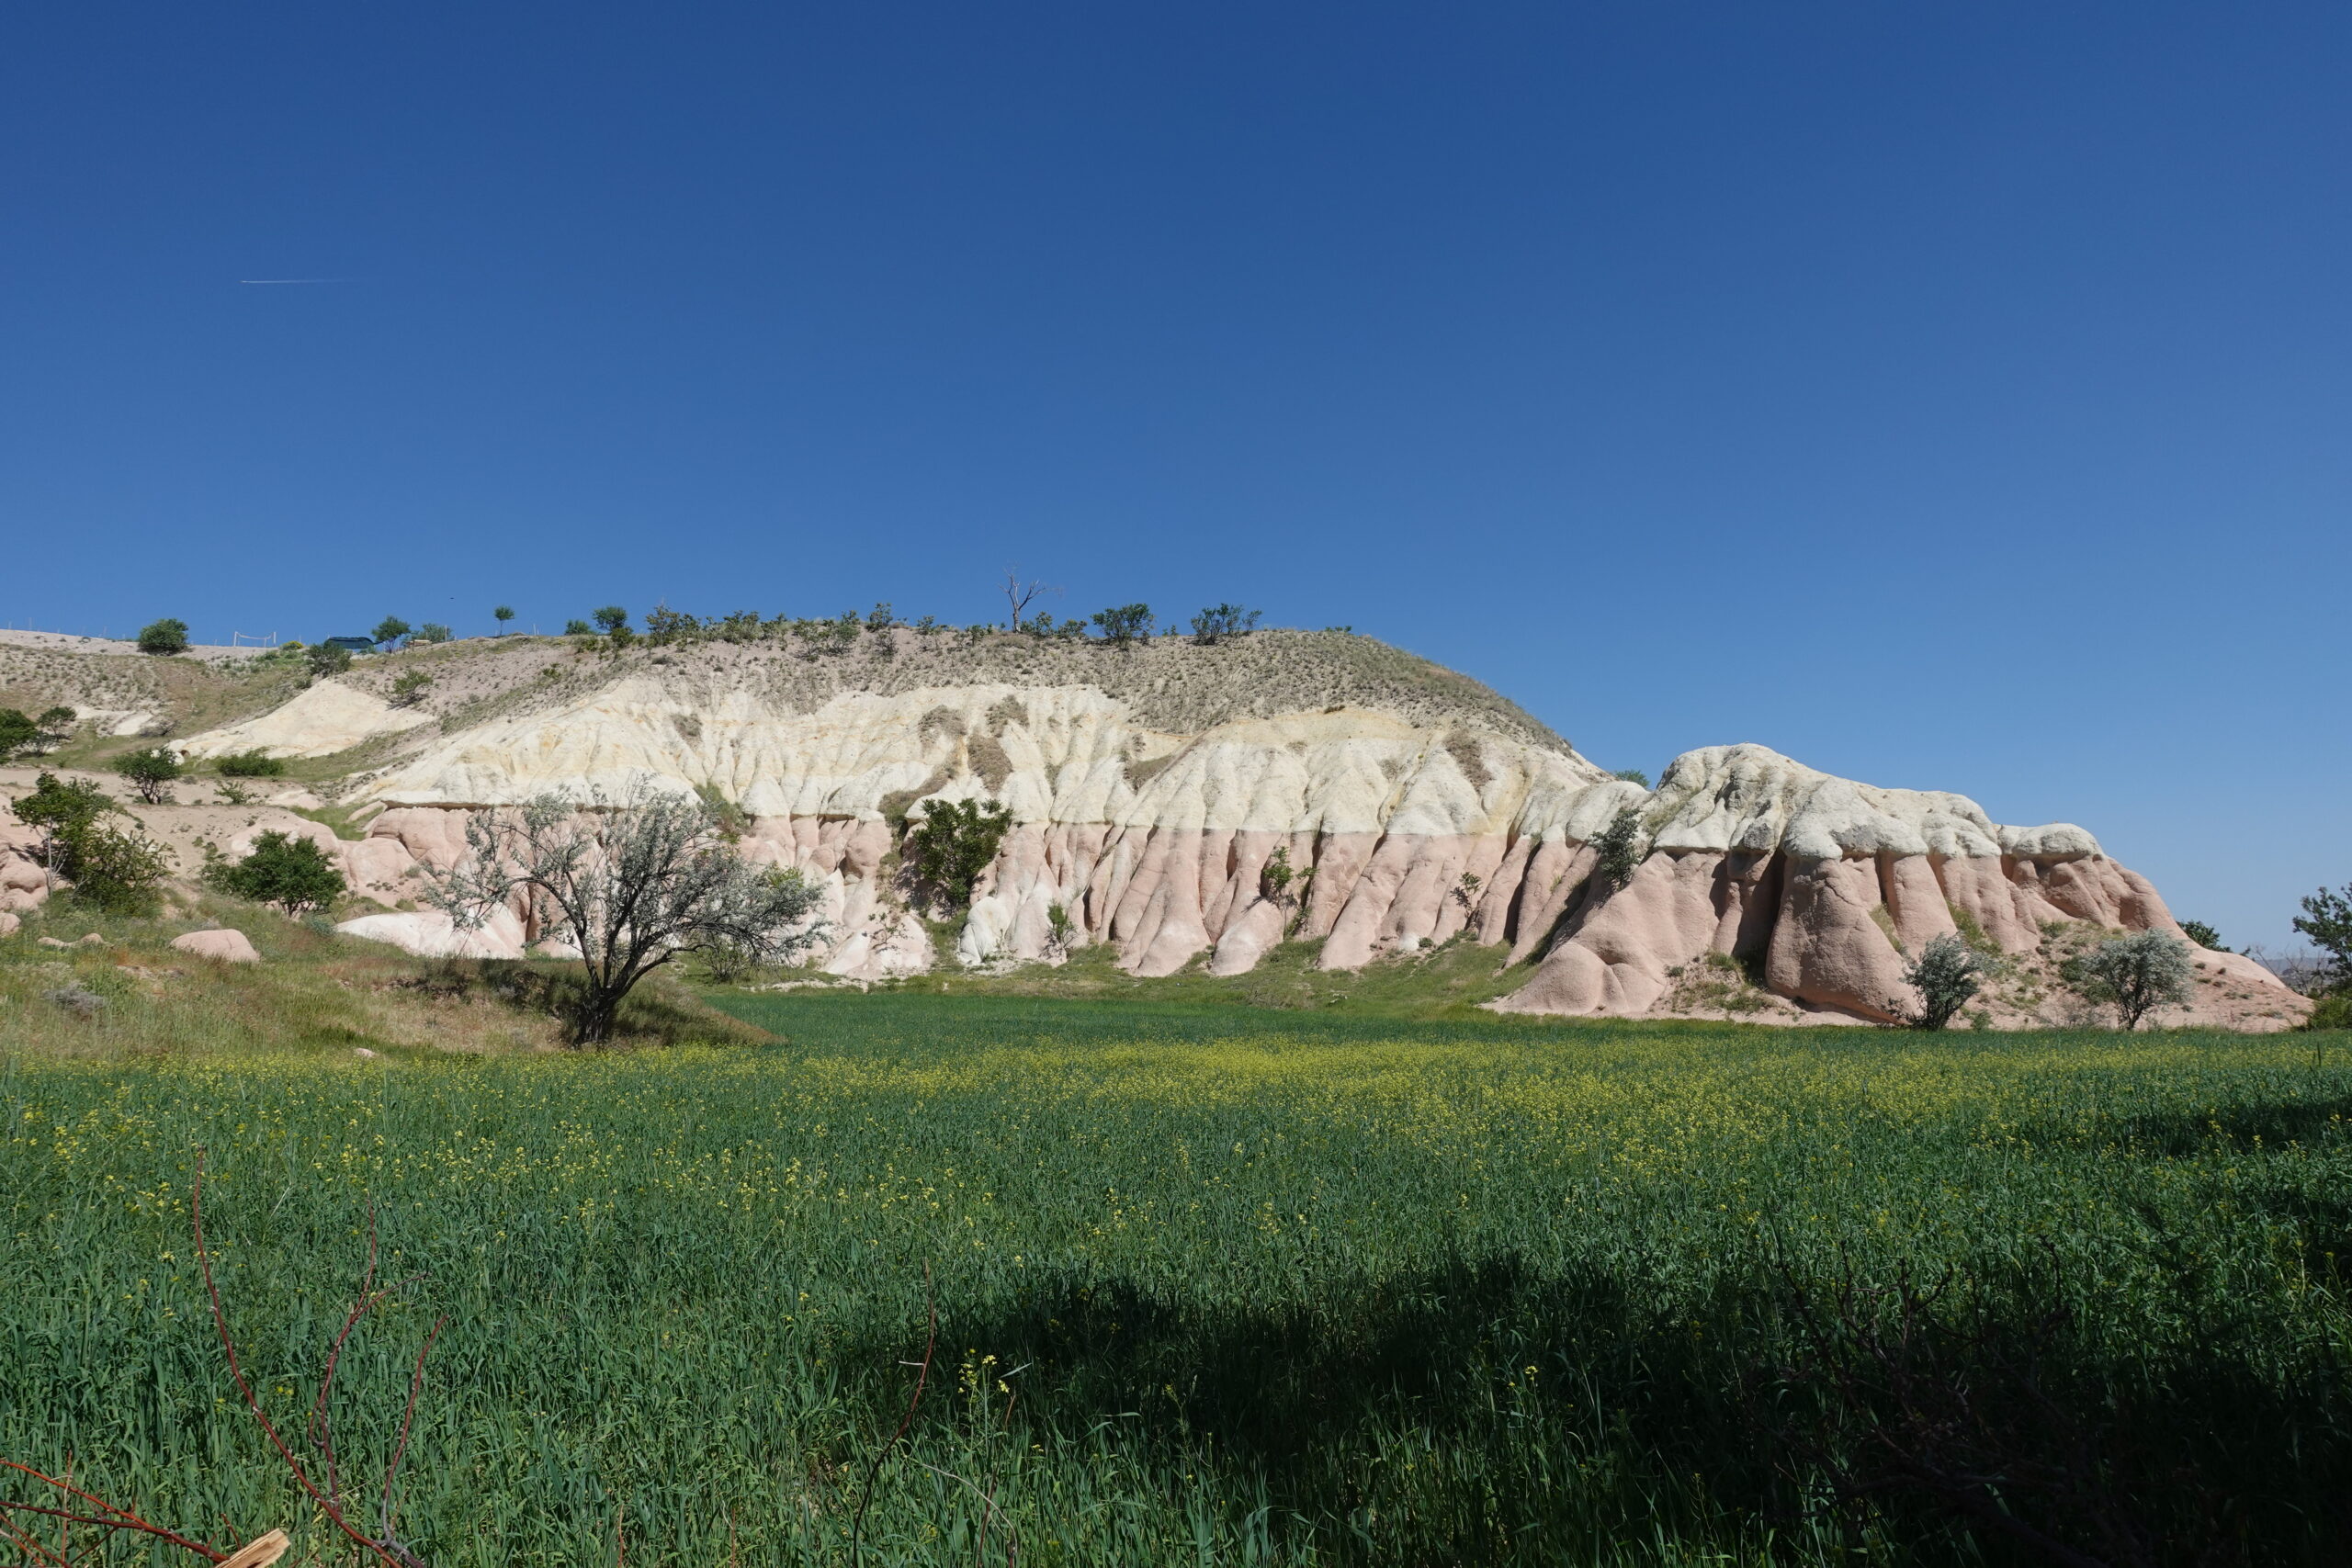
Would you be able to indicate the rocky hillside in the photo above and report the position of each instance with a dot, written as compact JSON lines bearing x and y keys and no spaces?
{"x":1151,"y":788}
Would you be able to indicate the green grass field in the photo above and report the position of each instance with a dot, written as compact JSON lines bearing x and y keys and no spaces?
{"x":1215,"y":1285}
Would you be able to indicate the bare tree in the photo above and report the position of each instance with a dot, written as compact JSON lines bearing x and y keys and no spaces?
{"x":1019,"y":594}
{"x":632,"y":883}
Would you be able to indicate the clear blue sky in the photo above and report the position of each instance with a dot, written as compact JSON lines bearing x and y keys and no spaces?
{"x":1951,"y":396}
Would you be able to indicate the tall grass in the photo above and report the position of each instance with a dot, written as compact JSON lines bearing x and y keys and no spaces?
{"x":1218,"y":1287}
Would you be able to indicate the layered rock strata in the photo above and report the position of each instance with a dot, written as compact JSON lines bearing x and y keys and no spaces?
{"x":1794,"y":894}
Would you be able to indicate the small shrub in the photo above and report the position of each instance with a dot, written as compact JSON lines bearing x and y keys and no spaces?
{"x":577,"y":628}
{"x":2330,"y":1012}
{"x":151,"y":770}
{"x":2137,"y":974}
{"x":292,"y":874}
{"x":664,"y":625}
{"x":2203,"y":935}
{"x":409,"y":689}
{"x":1060,"y":930}
{"x":1278,"y":874}
{"x":1123,"y":625}
{"x":1221,"y":621}
{"x":433,"y":631}
{"x":167,"y":637}
{"x":254,"y":765}
{"x":610,"y":619}
{"x":1620,"y":849}
{"x":390,"y":631}
{"x":1947,"y":976}
{"x":946,"y":852}
{"x":326,"y":660}
{"x":1633,"y":775}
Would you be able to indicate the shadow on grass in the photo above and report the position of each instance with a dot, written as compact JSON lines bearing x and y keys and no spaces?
{"x":659,"y":1012}
{"x":1491,"y":1412}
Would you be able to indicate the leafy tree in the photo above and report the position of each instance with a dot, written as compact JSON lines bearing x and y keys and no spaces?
{"x":1221,"y":621}
{"x":293,"y":873}
{"x":409,"y":689}
{"x":503,"y":614}
{"x":17,"y":733}
{"x":953,"y":844}
{"x":1124,"y":625}
{"x":433,"y":631}
{"x":1633,"y":775}
{"x":167,"y":635}
{"x":151,"y":770}
{"x":632,"y":883}
{"x":1947,"y":975}
{"x":325,"y":658}
{"x":254,"y":765}
{"x":2203,"y":935}
{"x":2137,"y":973}
{"x":390,"y":630}
{"x":55,"y":723}
{"x":2327,"y":920}
{"x":577,"y":628}
{"x":880,"y":618}
{"x":58,"y":807}
{"x":610,"y":618}
{"x":111,"y":868}
{"x":1620,"y":849}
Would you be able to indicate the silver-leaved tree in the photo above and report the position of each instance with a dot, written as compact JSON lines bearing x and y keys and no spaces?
{"x":632,"y":883}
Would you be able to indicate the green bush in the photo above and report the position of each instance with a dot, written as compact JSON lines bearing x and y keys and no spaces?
{"x":1633,"y":775}
{"x":409,"y":690}
{"x":17,"y":733}
{"x":610,"y":619}
{"x":953,"y":844}
{"x":326,"y":660}
{"x":1124,"y":625}
{"x":390,"y":630}
{"x":577,"y":628}
{"x":433,"y":631}
{"x":2202,"y":935}
{"x":1221,"y":621}
{"x":292,"y":874}
{"x":114,"y":870}
{"x":2332,"y":1012}
{"x":254,"y":765}
{"x":1621,"y":849}
{"x":165,"y":637}
{"x":151,"y":770}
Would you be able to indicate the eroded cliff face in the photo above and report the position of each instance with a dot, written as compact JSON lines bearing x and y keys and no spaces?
{"x":1761,"y":888}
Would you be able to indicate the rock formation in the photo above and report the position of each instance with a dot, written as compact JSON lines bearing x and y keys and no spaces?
{"x":1151,"y":789}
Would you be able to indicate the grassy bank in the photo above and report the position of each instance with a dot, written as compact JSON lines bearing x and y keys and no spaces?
{"x":1220,"y":1286}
